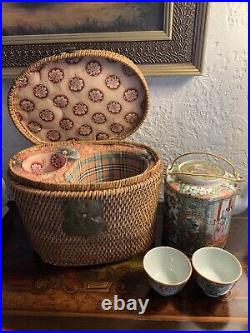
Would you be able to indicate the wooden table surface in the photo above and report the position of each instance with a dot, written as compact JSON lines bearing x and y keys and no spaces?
{"x":40,"y":296}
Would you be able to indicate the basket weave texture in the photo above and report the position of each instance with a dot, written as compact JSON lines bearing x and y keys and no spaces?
{"x":129,"y":215}
{"x":126,"y":225}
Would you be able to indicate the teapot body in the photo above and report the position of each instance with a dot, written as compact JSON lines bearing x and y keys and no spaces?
{"x":199,"y":202}
{"x":193,"y":221}
{"x":241,"y":202}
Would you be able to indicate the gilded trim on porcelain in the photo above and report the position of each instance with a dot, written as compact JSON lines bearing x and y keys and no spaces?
{"x":222,"y":190}
{"x":217,"y":282}
{"x":171,"y":284}
{"x":191,"y":223}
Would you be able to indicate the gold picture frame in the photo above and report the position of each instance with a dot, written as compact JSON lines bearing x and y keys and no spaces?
{"x":164,"y":34}
{"x":176,"y":50}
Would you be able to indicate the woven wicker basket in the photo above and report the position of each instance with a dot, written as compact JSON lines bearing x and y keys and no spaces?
{"x":102,"y":210}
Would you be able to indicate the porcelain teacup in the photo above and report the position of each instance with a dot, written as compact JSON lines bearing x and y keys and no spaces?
{"x":168,"y":269}
{"x":216,"y":270}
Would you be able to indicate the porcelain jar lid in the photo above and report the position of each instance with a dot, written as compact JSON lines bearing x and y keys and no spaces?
{"x":210,"y":173}
{"x":202,"y":178}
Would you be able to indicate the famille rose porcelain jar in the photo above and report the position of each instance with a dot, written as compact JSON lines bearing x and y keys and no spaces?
{"x":199,"y":199}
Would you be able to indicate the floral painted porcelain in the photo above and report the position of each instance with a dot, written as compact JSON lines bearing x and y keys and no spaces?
{"x":168,"y":269}
{"x":199,"y":199}
{"x":216,"y":270}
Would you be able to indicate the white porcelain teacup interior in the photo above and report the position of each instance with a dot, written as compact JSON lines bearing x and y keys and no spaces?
{"x":167,"y":265}
{"x":217,"y":265}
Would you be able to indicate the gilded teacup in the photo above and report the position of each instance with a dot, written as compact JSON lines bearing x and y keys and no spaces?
{"x":216,"y":270}
{"x":168,"y":269}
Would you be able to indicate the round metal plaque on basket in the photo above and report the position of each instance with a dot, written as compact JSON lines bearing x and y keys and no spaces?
{"x":83,"y":217}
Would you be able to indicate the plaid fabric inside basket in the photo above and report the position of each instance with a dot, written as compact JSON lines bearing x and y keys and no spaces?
{"x":102,"y":167}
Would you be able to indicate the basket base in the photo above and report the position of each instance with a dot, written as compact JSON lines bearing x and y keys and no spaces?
{"x":40,"y":260}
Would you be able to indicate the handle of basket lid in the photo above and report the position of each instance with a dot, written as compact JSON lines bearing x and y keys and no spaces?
{"x":236,"y":177}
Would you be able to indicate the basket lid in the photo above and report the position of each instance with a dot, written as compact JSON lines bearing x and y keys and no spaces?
{"x":84,"y":95}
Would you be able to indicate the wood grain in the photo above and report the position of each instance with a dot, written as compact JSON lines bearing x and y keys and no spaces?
{"x":70,"y":298}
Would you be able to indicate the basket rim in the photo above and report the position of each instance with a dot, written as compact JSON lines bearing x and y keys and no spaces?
{"x":88,"y":193}
{"x":78,"y":53}
{"x":108,"y":185}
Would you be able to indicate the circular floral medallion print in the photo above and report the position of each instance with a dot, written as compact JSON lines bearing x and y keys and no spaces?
{"x":40,"y":91}
{"x":34,"y":127}
{"x":85,"y":130}
{"x":116,"y":128}
{"x":127,"y":70}
{"x":27,"y":105}
{"x":130,"y":95}
{"x":80,"y":109}
{"x":96,"y":95}
{"x":46,"y":115}
{"x":114,"y":107}
{"x":72,"y":61}
{"x":36,"y":167}
{"x":55,"y":75}
{"x":131,"y":117}
{"x":112,"y":81}
{"x":66,"y":124}
{"x":76,"y":84}
{"x":102,"y":136}
{"x":93,"y":68}
{"x":61,"y":101}
{"x":53,"y":135}
{"x":58,"y":160}
{"x":22,"y":82}
{"x":99,"y":118}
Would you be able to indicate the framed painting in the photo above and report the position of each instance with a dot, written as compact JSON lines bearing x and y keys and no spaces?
{"x":163,"y":38}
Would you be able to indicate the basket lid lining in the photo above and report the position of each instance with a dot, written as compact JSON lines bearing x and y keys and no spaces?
{"x":89,"y":96}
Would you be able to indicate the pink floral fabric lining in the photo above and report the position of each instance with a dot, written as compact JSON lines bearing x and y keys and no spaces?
{"x":85,"y":99}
